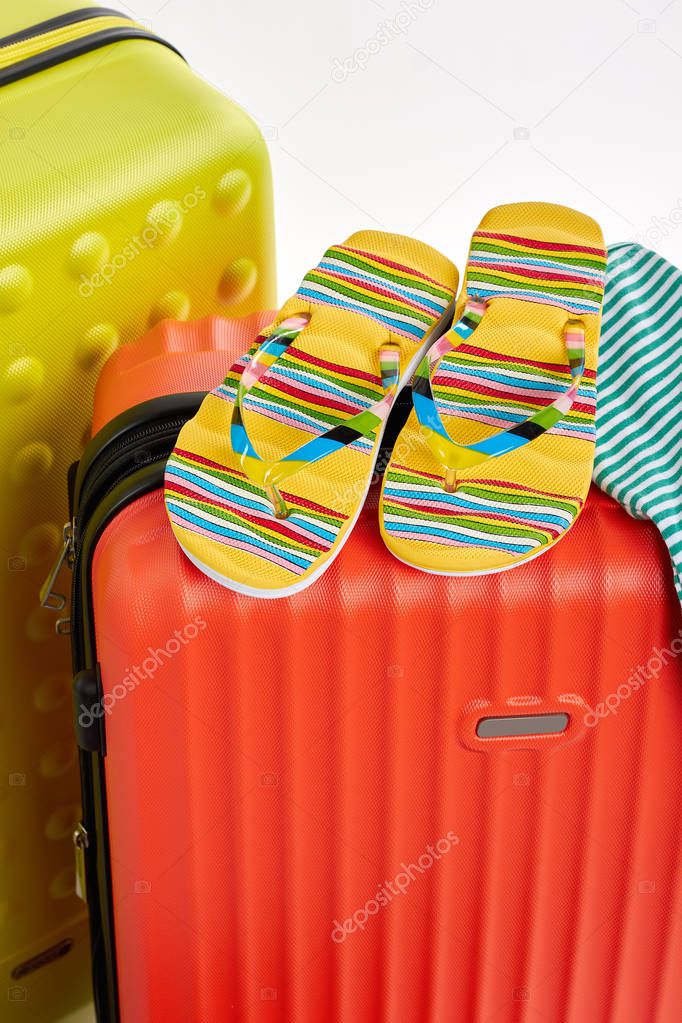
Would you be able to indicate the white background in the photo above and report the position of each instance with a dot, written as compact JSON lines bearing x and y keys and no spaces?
{"x":467,"y":105}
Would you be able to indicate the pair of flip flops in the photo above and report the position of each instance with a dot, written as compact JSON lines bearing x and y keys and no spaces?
{"x":494,"y":463}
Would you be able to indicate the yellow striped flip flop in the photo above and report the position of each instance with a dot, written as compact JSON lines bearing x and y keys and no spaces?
{"x":268,"y":479}
{"x":494,"y":464}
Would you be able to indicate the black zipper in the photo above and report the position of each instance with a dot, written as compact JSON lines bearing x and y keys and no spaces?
{"x":138,"y":448}
{"x":114,"y":469}
{"x":113,"y":498}
{"x":54,"y":55}
{"x":110,"y":476}
{"x":114,"y":450}
{"x":143,"y":436}
{"x":60,"y":21}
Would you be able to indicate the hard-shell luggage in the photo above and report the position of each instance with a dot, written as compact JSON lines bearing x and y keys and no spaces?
{"x":130,"y":191}
{"x":392,"y":797}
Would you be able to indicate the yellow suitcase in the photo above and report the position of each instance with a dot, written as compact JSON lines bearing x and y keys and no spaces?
{"x":130,"y":191}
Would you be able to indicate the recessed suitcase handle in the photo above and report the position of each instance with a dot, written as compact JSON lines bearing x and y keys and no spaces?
{"x":67,"y":36}
{"x":524,"y":722}
{"x":510,"y":726}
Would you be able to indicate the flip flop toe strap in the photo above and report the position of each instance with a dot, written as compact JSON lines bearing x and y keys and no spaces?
{"x":270,"y":474}
{"x":453,"y":456}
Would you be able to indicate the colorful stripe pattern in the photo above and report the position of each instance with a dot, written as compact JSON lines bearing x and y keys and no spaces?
{"x":481,"y":513}
{"x":638,"y":455}
{"x":506,"y":266}
{"x":308,"y":393}
{"x":501,"y":390}
{"x":545,"y":414}
{"x":220,"y":503}
{"x":362,"y":425}
{"x":408,"y":303}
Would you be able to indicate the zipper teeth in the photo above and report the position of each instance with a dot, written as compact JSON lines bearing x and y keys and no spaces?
{"x":77,"y":635}
{"x":93,"y":489}
{"x":43,"y":44}
{"x":71,"y":18}
{"x":62,"y":39}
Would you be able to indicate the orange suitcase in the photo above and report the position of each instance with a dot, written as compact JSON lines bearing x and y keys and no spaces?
{"x":392,"y":798}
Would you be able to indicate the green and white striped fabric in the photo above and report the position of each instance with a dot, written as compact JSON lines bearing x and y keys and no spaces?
{"x":638,"y":457}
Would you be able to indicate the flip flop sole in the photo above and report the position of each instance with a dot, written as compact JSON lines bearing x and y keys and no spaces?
{"x":510,"y":508}
{"x":324,"y":379}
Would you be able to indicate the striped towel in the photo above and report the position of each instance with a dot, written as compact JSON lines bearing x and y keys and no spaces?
{"x":638,"y":458}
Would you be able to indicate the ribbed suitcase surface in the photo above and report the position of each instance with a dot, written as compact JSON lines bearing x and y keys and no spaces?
{"x":306,"y":826}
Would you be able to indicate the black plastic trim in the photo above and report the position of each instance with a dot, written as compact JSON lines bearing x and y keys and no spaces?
{"x":108,"y":479}
{"x":77,"y":48}
{"x":143,"y":419}
{"x":60,"y":21}
{"x":93,"y":780}
{"x":88,"y":711}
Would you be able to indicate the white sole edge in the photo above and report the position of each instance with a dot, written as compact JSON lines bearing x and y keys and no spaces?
{"x":485,"y":571}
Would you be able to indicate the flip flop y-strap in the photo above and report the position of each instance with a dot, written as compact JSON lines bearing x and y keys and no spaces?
{"x":270,"y":474}
{"x":455,"y":457}
{"x":502,"y":265}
